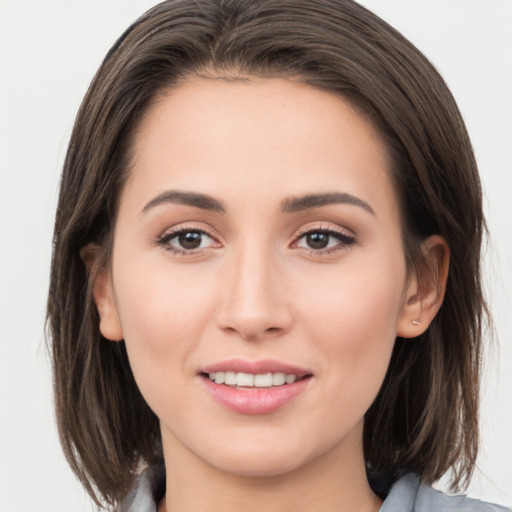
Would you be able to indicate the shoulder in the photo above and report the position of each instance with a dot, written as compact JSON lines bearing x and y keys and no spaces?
{"x":409,"y":495}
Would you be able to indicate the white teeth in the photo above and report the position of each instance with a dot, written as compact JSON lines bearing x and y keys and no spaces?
{"x":245,"y":380}
{"x":290,"y":378}
{"x":278,"y":379}
{"x":230,"y":378}
{"x":263,"y":380}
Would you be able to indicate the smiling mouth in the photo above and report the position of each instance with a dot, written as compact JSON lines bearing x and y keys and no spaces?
{"x":241,"y":380}
{"x":255,"y":387}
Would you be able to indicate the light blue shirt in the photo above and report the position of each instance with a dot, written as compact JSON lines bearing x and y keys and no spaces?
{"x":408,"y":494}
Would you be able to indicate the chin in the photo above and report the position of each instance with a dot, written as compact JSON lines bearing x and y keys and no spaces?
{"x":264,"y":459}
{"x":260,"y":467}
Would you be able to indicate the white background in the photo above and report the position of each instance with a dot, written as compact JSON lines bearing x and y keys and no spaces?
{"x":49,"y":51}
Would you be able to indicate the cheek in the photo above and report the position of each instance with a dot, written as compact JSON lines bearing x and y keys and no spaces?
{"x":157,"y":300}
{"x":162,"y":315}
{"x":354,"y":324}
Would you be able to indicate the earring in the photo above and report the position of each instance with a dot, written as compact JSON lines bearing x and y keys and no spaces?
{"x":416,"y":322}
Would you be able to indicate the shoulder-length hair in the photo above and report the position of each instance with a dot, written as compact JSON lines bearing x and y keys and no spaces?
{"x":425,"y":417}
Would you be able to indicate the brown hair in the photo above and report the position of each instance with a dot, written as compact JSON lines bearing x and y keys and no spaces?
{"x":425,"y":416}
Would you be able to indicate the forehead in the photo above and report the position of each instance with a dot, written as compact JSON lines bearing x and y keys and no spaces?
{"x":270,"y":135}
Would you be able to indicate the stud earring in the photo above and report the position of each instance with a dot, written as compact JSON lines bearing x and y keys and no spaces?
{"x":416,"y":322}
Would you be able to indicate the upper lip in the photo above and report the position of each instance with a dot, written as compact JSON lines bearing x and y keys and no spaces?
{"x":255,"y":367}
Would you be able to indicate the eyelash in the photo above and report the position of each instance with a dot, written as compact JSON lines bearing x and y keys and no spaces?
{"x":345,"y":240}
{"x":165,"y":239}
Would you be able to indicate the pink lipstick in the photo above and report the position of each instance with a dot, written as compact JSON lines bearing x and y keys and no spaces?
{"x":254,"y":387}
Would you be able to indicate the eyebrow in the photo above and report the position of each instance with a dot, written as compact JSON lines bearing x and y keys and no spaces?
{"x":291,"y":205}
{"x":297,"y":204}
{"x":202,"y":201}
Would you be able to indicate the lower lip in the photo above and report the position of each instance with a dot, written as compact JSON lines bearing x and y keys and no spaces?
{"x":255,"y":400}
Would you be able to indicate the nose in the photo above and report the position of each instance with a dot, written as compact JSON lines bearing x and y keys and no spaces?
{"x":253,"y":301}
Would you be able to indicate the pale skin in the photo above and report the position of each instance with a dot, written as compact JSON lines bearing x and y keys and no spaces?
{"x":323,"y":286}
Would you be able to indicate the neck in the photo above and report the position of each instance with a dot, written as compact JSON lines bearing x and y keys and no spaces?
{"x":335,"y":482}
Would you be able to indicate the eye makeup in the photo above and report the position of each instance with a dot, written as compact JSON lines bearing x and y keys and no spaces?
{"x":318,"y":240}
{"x":187,"y":240}
{"x":322,"y":240}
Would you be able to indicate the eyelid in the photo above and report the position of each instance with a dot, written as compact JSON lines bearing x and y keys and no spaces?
{"x":326,"y":228}
{"x":346,"y":237}
{"x":166,"y":236}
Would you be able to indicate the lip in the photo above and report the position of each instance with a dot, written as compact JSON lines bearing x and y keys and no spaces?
{"x":255,"y":367}
{"x":253,"y":401}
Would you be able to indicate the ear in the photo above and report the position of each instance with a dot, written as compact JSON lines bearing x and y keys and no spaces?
{"x":110,"y":326}
{"x":425,"y":292}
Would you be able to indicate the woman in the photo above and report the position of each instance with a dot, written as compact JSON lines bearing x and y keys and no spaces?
{"x":266,"y":274}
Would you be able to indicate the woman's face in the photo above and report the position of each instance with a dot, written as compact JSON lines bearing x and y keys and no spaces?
{"x":257,"y":234}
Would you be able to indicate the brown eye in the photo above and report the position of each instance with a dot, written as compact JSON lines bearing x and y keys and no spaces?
{"x":190,"y":240}
{"x":317,"y":240}
{"x":187,"y":241}
{"x":324,"y":240}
